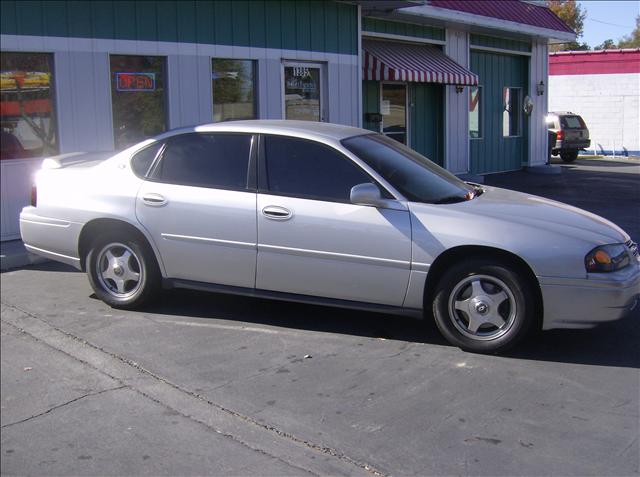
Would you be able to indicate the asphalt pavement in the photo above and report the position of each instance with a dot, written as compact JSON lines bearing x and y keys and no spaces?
{"x":207,"y":384}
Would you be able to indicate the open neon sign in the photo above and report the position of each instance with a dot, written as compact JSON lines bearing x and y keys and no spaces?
{"x":135,"y":81}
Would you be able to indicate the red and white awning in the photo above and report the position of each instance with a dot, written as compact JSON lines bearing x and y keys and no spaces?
{"x":388,"y":61}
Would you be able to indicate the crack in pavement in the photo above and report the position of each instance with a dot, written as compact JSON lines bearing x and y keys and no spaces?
{"x":327,"y":450}
{"x":97,"y":393}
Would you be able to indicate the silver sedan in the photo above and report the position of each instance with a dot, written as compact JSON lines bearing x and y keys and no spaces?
{"x":333,"y":215}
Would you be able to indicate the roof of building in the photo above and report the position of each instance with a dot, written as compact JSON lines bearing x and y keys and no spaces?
{"x":509,"y":10}
{"x":595,"y":62}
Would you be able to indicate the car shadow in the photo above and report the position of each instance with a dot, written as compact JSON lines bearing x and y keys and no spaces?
{"x":612,"y":344}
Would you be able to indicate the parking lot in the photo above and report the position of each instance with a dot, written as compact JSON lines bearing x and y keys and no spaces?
{"x":210,"y":384}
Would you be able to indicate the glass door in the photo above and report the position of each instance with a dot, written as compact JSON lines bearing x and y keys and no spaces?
{"x":394,"y":111}
{"x":303,"y":91}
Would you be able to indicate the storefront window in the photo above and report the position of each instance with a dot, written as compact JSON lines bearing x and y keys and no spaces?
{"x":511,"y":113}
{"x":27,"y":113}
{"x":234,"y":90}
{"x":302,"y":95}
{"x":475,"y":118}
{"x":138,"y":98}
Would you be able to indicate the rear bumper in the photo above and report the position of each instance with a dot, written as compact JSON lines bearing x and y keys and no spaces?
{"x":51,"y":238}
{"x":583,"y":303}
{"x":564,"y":145}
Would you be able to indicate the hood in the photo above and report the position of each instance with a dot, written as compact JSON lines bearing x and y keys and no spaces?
{"x":544,"y":214}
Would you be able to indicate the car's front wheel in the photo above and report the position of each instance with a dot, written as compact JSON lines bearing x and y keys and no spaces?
{"x":122,"y":271}
{"x":484,"y":306}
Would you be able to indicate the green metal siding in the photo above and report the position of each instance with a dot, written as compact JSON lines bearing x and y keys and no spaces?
{"x":370,"y":103}
{"x":376,"y":25}
{"x":493,"y":152}
{"x":307,"y":25}
{"x":501,"y":43}
{"x":426,"y":120}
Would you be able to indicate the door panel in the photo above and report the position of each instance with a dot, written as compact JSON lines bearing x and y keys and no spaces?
{"x":334,"y":250}
{"x":202,"y":234}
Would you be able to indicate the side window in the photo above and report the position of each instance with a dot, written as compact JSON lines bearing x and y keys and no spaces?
{"x":308,"y":169}
{"x":142,"y":160}
{"x":216,"y":160}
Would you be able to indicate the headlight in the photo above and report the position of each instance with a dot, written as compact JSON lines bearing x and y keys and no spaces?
{"x":607,"y":258}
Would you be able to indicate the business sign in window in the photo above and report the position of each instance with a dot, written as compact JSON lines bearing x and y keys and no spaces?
{"x":135,"y":81}
{"x":137,"y":98}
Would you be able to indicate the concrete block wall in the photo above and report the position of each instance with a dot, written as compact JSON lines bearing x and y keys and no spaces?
{"x":608,"y":103}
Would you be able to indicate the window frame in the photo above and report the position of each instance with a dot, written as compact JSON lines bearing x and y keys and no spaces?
{"x":407,"y":112}
{"x":323,"y":78}
{"x":255,"y":81}
{"x":165,"y":94}
{"x":519,"y":132}
{"x":53,"y":97}
{"x":480,"y":111}
{"x":251,"y":162}
{"x":263,"y":181}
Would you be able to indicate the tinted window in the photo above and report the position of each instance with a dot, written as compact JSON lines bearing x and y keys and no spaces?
{"x":309,"y":169}
{"x":412,"y":174}
{"x":206,"y":160}
{"x":142,"y":160}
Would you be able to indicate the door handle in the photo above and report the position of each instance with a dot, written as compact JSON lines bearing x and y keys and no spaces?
{"x":275,"y":212}
{"x":155,"y":200}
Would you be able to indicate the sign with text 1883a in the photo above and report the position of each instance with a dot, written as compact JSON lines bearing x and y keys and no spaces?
{"x":135,"y":81}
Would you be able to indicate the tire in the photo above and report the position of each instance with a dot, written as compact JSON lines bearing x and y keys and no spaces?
{"x":122,"y":270}
{"x":569,"y":156}
{"x":484,"y":306}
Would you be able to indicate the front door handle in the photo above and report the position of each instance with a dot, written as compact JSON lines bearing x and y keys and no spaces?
{"x":275,"y":212}
{"x":155,"y":200}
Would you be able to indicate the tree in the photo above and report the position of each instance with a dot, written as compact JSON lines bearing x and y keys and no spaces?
{"x":632,"y":40}
{"x":606,"y":45}
{"x":570,"y":12}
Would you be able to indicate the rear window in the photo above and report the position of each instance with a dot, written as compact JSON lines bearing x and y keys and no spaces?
{"x":572,"y":122}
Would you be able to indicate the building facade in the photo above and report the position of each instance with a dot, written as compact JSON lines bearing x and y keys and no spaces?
{"x":604,"y":88}
{"x":449,"y":78}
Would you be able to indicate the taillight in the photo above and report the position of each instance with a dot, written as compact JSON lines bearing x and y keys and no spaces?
{"x":559,"y":135}
{"x":34,"y":196}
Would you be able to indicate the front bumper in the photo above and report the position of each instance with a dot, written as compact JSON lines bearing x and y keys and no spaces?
{"x":583,"y":303}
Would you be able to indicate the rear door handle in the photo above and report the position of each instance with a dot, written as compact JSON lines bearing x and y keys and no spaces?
{"x":155,"y":200}
{"x":275,"y":212}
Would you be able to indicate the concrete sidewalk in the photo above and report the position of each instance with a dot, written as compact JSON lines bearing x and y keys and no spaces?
{"x":14,"y":255}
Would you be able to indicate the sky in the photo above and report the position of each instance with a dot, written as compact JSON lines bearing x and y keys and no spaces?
{"x":608,"y":19}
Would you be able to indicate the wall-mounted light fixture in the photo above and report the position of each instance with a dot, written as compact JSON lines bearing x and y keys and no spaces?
{"x":540,"y":88}
{"x":459,"y":88}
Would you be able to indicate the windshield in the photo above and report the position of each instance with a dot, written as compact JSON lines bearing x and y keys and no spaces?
{"x":413,"y":175}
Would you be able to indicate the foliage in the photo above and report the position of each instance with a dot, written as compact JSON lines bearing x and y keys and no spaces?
{"x":606,"y":45}
{"x":633,"y":39}
{"x":570,"y":12}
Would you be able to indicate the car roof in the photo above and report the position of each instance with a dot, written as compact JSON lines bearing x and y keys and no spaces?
{"x":563,"y":113}
{"x":308,"y":129}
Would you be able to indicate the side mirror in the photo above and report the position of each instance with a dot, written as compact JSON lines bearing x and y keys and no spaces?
{"x":369,"y":194}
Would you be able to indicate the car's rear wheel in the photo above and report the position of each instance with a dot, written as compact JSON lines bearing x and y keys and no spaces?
{"x":122,"y":271}
{"x":569,"y":156}
{"x":484,"y":306}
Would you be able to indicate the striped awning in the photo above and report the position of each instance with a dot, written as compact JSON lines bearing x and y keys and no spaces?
{"x":388,"y":61}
